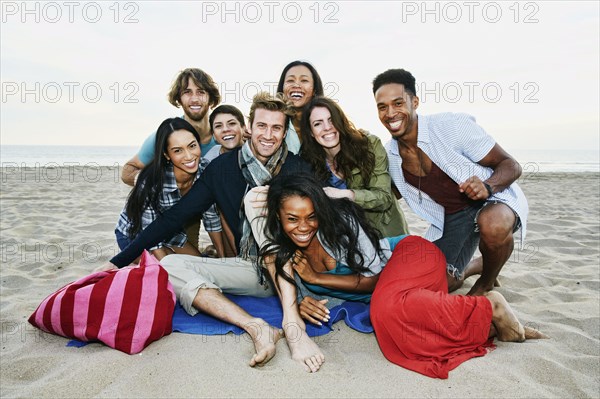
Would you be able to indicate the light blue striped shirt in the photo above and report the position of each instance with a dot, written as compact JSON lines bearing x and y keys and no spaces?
{"x":455,"y":143}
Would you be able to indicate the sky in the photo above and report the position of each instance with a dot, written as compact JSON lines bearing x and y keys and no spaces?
{"x":98,"y":73}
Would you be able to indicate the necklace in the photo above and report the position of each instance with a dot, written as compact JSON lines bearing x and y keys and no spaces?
{"x":420,"y":172}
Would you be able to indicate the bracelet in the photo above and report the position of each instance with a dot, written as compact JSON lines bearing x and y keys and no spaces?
{"x":489,"y":189}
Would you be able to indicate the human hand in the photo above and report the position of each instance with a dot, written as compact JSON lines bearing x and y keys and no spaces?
{"x":258,"y":197}
{"x":474,"y":188}
{"x":314,"y":310}
{"x":333,"y":192}
{"x":303,"y":268}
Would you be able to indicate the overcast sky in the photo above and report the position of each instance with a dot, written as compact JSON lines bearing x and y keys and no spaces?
{"x":97,"y":73}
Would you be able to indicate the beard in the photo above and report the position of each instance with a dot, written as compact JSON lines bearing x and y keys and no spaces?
{"x":195,"y":116}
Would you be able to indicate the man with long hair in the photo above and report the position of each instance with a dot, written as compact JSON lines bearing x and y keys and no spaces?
{"x":195,"y":92}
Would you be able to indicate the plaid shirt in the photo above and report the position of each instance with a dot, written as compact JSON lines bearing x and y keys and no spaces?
{"x":170,"y":196}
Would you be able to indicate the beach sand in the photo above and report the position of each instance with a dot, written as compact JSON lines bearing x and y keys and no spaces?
{"x":57,"y":225}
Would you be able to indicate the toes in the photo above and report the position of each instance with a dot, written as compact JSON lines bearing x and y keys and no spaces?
{"x":532,"y":333}
{"x":312,"y":364}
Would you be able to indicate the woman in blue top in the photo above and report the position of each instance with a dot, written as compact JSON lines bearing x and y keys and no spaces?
{"x":175,"y":167}
{"x":330,"y":246}
{"x":338,"y":259}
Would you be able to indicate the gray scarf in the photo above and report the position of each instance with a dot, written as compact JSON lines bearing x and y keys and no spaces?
{"x":256,"y":174}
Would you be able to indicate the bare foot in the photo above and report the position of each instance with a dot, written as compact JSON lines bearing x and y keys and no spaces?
{"x":475,"y":266}
{"x":304,"y":350}
{"x":478,"y":289}
{"x":532,"y":333}
{"x":508,"y":327}
{"x":264,"y":337}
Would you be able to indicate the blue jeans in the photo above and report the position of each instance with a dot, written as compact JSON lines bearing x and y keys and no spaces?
{"x":460,"y":239}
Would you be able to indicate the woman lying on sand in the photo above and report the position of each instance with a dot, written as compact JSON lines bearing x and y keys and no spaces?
{"x":330,"y":246}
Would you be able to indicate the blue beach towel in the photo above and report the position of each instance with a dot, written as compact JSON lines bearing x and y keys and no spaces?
{"x":355,"y":314}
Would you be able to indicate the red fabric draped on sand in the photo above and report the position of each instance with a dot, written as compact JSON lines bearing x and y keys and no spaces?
{"x":419,"y":325}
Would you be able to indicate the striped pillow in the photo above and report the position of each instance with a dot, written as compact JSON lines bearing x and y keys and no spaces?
{"x":127,"y":309}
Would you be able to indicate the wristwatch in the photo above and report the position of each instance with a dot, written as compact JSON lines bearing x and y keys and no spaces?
{"x":489,"y":189}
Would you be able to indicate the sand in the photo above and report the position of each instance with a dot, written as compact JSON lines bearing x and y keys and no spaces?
{"x":57,"y":225}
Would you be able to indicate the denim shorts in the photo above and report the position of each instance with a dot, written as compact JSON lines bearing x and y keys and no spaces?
{"x":461,"y":237}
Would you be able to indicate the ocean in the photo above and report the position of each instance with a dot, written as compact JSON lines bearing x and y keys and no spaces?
{"x":532,"y":161}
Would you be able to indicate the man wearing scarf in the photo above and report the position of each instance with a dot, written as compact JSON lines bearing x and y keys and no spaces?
{"x":200,"y":282}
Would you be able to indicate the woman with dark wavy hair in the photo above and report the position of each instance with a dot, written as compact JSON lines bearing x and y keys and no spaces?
{"x":175,"y":167}
{"x":347,"y":235}
{"x":330,"y":247}
{"x":352,"y":162}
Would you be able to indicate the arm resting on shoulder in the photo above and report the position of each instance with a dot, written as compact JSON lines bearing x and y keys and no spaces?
{"x":131,"y":169}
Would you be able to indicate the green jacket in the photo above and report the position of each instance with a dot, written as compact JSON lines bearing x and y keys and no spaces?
{"x":378,"y":201}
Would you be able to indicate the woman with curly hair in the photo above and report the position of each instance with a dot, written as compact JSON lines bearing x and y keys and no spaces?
{"x":328,"y":244}
{"x":352,"y":162}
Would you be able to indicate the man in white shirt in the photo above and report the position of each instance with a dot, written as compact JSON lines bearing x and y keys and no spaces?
{"x":454,"y":175}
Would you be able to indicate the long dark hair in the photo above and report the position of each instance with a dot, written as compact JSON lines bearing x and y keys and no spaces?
{"x":354,"y":143}
{"x":317,"y":85}
{"x":339,"y":222}
{"x":148,"y":188}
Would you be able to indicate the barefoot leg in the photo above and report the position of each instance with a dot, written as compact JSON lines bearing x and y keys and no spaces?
{"x":264,"y":336}
{"x":474,"y":267}
{"x":496,"y":244}
{"x":508,"y":327}
{"x":532,"y":333}
{"x":303,"y":349}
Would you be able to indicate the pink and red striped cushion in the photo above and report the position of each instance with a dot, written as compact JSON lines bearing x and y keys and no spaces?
{"x":127,"y":309}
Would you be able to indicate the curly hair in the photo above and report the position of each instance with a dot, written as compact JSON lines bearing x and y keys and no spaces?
{"x":339,"y":221}
{"x":355,"y":151}
{"x":201,"y":79}
{"x":399,"y":76}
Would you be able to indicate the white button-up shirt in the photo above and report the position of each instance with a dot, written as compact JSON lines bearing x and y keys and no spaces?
{"x":455,"y":143}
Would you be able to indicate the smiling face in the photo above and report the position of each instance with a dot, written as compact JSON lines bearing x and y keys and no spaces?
{"x":228,"y":131}
{"x":194,"y":101}
{"x":298,"y":85}
{"x":323,"y":130}
{"x":298,"y":219}
{"x":397,"y":110}
{"x":183,"y":151}
{"x":268,"y":132}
